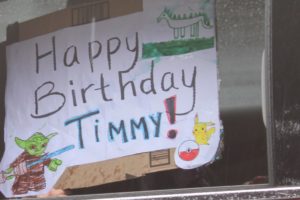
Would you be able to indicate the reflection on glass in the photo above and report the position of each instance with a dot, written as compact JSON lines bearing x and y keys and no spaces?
{"x":240,"y":43}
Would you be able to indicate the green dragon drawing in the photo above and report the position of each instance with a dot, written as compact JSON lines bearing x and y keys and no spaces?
{"x":179,"y":23}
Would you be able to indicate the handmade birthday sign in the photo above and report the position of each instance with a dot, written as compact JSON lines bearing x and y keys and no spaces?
{"x":137,"y":83}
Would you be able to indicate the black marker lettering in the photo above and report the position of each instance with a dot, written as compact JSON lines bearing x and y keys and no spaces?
{"x":50,"y":93}
{"x":192,"y":85}
{"x":73,"y":95}
{"x":171,"y":84}
{"x":150,"y":80}
{"x":110,"y":52}
{"x":130,"y":83}
{"x":40,"y":56}
{"x":94,"y":54}
{"x":83,"y":92}
{"x":102,"y":88}
{"x":135,"y":49}
{"x":73,"y":51}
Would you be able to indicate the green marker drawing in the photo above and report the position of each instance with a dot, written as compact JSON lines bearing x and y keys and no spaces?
{"x":182,"y":42}
{"x":179,"y":23}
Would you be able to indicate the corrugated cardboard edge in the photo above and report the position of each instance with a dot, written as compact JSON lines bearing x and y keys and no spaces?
{"x":111,"y":170}
{"x":114,"y":170}
{"x":67,"y":17}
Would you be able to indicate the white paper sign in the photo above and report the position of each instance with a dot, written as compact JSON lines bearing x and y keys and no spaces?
{"x":137,"y":83}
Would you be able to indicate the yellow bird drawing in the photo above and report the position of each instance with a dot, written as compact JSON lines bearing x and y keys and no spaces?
{"x":201,"y":132}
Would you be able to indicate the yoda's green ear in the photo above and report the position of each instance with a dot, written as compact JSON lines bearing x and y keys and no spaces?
{"x":51,"y":135}
{"x":20,"y":143}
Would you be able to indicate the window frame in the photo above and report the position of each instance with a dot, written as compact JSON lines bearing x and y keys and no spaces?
{"x":278,"y":186}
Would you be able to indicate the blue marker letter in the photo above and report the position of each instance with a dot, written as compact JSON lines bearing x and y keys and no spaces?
{"x":156,"y":122}
{"x":78,"y":119}
{"x":142,"y":123}
{"x":112,"y":128}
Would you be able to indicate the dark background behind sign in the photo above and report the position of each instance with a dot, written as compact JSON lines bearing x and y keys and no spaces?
{"x":286,"y":97}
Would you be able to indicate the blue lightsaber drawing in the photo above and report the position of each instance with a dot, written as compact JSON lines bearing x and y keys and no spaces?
{"x":50,"y":155}
{"x":6,"y":176}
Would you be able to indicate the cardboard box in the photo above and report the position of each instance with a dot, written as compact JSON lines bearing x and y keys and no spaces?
{"x":111,"y":170}
{"x":120,"y":169}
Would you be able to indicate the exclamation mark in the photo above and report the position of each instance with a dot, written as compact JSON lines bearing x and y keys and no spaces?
{"x":170,"y":105}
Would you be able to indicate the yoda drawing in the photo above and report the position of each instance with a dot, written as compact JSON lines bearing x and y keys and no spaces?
{"x":28,"y":167}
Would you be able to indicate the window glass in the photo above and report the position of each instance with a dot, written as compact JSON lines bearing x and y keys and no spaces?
{"x":240,"y":45}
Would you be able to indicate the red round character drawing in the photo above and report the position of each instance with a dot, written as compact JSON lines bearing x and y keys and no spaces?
{"x":188,"y":150}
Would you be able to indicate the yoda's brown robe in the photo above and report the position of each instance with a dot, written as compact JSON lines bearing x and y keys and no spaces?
{"x":33,"y":179}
